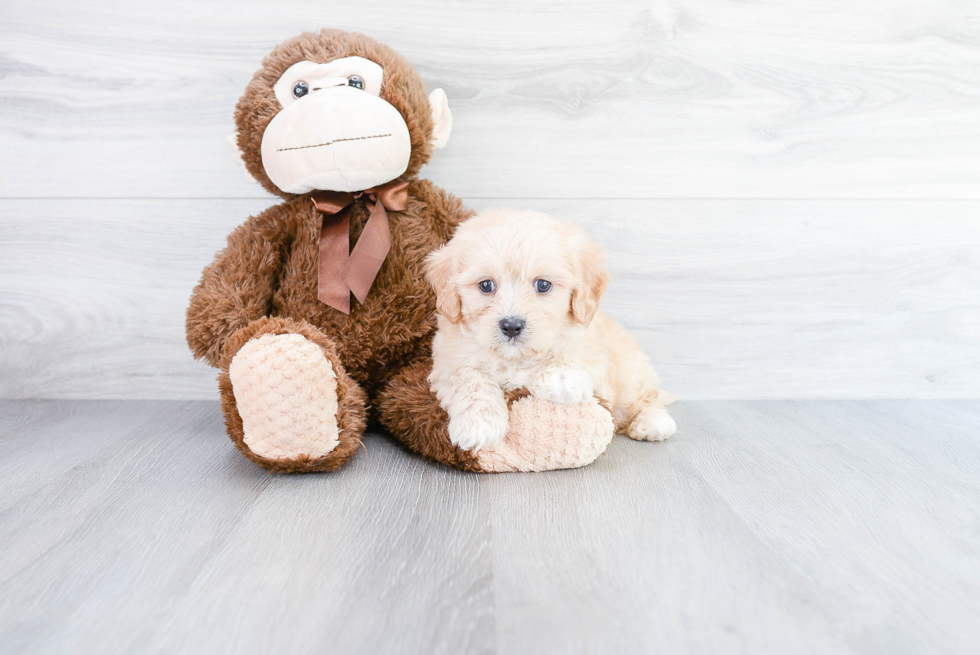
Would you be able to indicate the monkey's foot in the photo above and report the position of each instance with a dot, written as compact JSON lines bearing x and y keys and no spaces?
{"x":286,"y":393}
{"x":545,"y":436}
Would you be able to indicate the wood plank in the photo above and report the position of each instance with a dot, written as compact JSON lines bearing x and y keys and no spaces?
{"x":790,"y":527}
{"x":95,"y":293}
{"x":774,"y":526}
{"x":887,"y":527}
{"x":633,"y":99}
{"x":731,"y":299}
{"x":35,"y":433}
{"x":640,"y":555}
{"x":797,"y":299}
{"x":171,"y":541}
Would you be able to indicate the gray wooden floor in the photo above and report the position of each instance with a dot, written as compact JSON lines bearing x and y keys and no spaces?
{"x":763,"y":527}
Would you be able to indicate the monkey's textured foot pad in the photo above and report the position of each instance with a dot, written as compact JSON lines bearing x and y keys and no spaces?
{"x":545,"y":436}
{"x":286,"y":393}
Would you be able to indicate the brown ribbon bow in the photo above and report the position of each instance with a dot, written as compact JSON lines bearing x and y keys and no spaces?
{"x":342,"y":270}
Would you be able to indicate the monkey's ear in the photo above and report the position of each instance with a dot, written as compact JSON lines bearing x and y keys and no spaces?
{"x":592,"y":280}
{"x":442,"y":118}
{"x":232,"y":141}
{"x":440,"y":271}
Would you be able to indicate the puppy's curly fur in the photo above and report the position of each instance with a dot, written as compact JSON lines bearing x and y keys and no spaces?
{"x":518,"y":295}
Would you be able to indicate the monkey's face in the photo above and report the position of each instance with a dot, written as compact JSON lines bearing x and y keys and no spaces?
{"x":334,"y":132}
{"x":337,"y":111}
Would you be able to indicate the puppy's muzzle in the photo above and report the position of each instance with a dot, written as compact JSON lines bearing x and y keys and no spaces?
{"x":511,"y":327}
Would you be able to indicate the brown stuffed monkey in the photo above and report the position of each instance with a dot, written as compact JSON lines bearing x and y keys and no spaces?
{"x":339,"y":126}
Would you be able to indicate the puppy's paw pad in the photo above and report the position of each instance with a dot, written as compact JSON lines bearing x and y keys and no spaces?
{"x":473,"y":430}
{"x":652,"y":426}
{"x":564,"y":386}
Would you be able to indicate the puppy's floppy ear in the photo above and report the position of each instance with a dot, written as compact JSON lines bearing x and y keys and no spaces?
{"x":592,"y":278}
{"x":440,"y":271}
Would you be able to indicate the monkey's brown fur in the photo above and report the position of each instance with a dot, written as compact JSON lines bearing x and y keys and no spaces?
{"x":265,"y":281}
{"x":398,"y":404}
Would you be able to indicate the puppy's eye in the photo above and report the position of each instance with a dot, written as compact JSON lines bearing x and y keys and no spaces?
{"x":487,"y":286}
{"x":355,"y":81}
{"x":300,"y":89}
{"x":542,"y":286}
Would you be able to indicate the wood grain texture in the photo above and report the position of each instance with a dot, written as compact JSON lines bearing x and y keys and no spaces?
{"x":768,"y":527}
{"x":556,"y":99}
{"x":138,"y":528}
{"x":789,"y":527}
{"x":731,"y":299}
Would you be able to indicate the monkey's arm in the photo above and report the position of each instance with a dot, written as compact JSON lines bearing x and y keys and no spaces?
{"x":237,"y":288}
{"x":541,"y":435}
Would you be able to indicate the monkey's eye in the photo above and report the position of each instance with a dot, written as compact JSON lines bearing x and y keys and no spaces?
{"x":355,"y":81}
{"x":300,"y":89}
{"x":542,"y":286}
{"x":487,"y":286}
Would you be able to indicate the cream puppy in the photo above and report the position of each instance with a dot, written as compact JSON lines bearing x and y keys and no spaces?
{"x":517,"y":295}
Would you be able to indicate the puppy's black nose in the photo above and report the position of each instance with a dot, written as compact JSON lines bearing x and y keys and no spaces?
{"x":511,"y":326}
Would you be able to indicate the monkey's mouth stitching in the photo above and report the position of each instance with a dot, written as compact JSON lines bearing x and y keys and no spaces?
{"x":330,"y":143}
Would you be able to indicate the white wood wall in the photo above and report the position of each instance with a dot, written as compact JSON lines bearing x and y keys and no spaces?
{"x":789,"y":191}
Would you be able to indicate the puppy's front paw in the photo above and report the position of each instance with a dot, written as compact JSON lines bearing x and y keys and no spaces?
{"x":652,"y":424}
{"x":565,"y":386}
{"x":478,"y":428}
